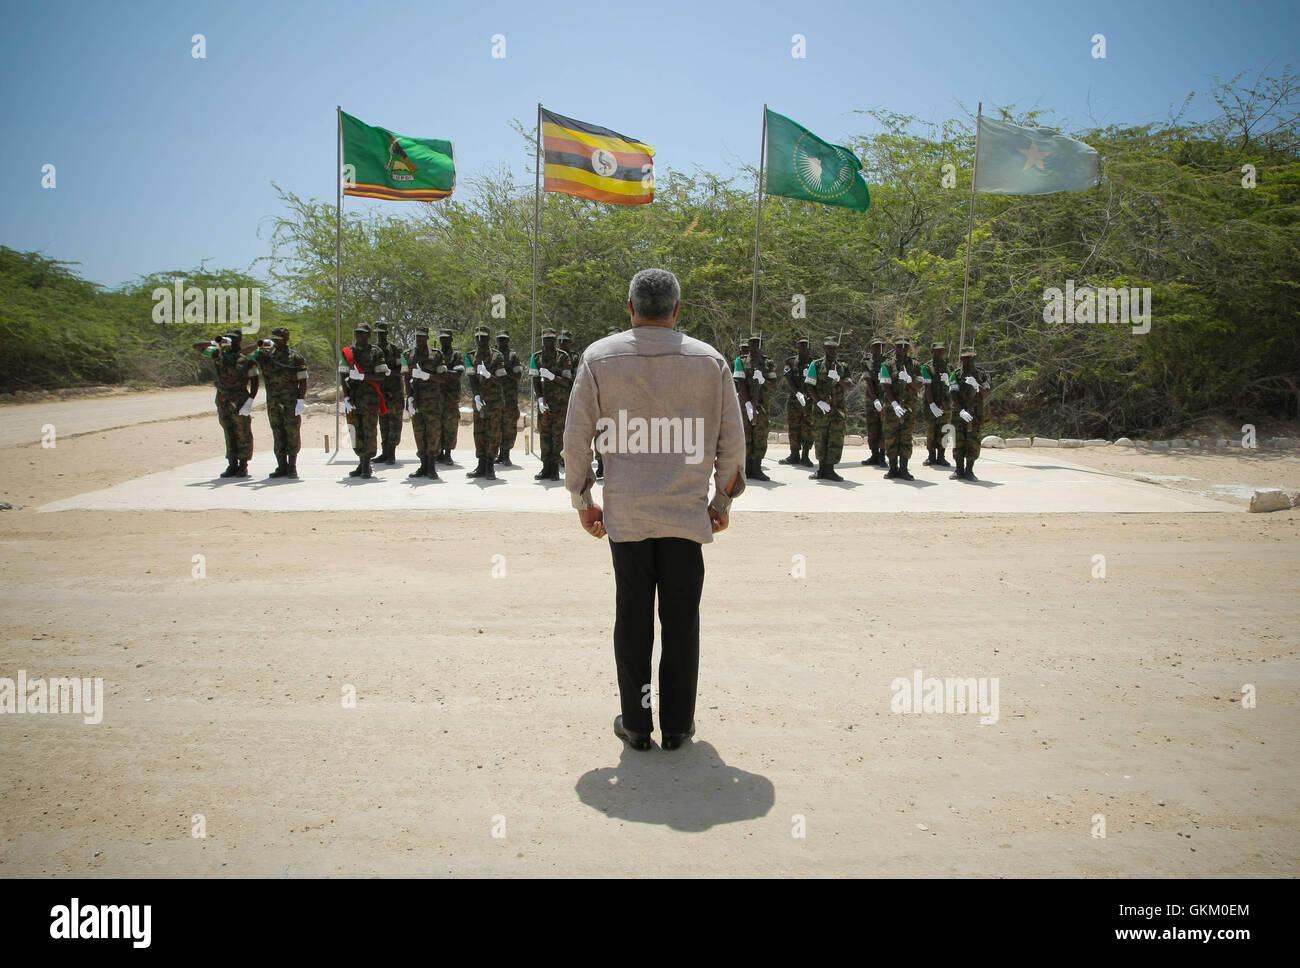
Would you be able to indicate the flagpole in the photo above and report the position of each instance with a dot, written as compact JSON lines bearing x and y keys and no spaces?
{"x":758,"y":222}
{"x":970,"y":225}
{"x":338,"y":264}
{"x":537,"y":218}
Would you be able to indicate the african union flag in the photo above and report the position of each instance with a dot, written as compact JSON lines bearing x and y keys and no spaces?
{"x":388,"y":165}
{"x":802,"y":165}
{"x":596,"y":163}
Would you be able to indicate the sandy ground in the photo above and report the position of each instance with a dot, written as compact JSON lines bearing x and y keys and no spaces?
{"x":484,"y":703}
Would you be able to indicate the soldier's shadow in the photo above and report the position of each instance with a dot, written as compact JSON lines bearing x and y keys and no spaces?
{"x":979,"y":483}
{"x":690,"y":789}
{"x":918,"y":483}
{"x":844,"y":485}
{"x":219,"y":482}
{"x":274,"y":482}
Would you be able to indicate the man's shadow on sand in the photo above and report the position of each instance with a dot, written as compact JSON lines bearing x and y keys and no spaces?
{"x":688,"y":789}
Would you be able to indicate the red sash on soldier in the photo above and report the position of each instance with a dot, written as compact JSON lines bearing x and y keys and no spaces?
{"x":383,"y":404}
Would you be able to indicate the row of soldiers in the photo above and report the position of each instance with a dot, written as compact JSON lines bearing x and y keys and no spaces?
{"x":895,"y":388}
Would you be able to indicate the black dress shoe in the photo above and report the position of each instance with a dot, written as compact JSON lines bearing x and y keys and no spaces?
{"x":638,"y":741}
{"x":671,"y":741}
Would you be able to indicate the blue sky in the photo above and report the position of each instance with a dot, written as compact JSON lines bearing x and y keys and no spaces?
{"x":164,"y":160}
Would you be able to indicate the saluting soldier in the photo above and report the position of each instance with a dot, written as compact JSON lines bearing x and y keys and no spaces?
{"x":875,"y":407}
{"x":236,"y":383}
{"x":754,"y":374}
{"x":510,"y":398}
{"x":450,"y":396}
{"x":361,"y":369}
{"x":798,"y":408}
{"x":934,"y":382}
{"x":899,"y":379}
{"x":486,"y":368}
{"x":423,"y":370}
{"x":552,"y":394}
{"x":826,"y":382}
{"x":969,"y":387}
{"x":390,"y":424}
{"x":285,"y":371}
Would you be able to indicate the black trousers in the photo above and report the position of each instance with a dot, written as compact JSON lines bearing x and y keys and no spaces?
{"x":674,"y":567}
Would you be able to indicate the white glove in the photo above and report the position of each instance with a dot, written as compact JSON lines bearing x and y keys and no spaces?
{"x":758,"y":375}
{"x":541,"y":405}
{"x":898,"y":410}
{"x":970,"y":381}
{"x":803,"y":401}
{"x":934,"y":409}
{"x":300,"y":408}
{"x":879,"y":408}
{"x":418,"y":373}
{"x":833,"y":375}
{"x":749,"y":411}
{"x":355,"y":374}
{"x":247,"y":408}
{"x":347,"y":406}
{"x":547,"y":374}
{"x":410,"y":406}
{"x":965,"y":416}
{"x":823,"y":406}
{"x":478,"y":402}
{"x":483,"y":372}
{"x":904,"y":376}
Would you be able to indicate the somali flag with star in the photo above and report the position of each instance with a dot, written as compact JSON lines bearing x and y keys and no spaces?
{"x":1016,"y":160}
{"x":802,"y":165}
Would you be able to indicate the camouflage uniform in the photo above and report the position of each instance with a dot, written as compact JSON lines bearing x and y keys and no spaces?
{"x":450,"y":396}
{"x":798,"y":417}
{"x":390,"y":424}
{"x":900,"y":381}
{"x":828,"y":381}
{"x":754,"y":376}
{"x":966,"y":441}
{"x":422,"y":369}
{"x":486,"y":389}
{"x":554,"y":391}
{"x":875,"y":403}
{"x":510,"y":397}
{"x":934,"y":383}
{"x":282,"y":369}
{"x":234,"y":371}
{"x":369,"y":366}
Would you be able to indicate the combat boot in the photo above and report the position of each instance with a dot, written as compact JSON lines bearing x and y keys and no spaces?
{"x":818,"y":474}
{"x":970,"y":470}
{"x":232,"y":466}
{"x":929,"y":457}
{"x":939,"y":459}
{"x":356,"y":471}
{"x":242,"y":469}
{"x":444,"y":457}
{"x":500,"y":458}
{"x":291,"y":467}
{"x":544,"y":473}
{"x":893,"y":467}
{"x":422,"y":470}
{"x":758,"y":470}
{"x":749,"y":468}
{"x":489,"y":472}
{"x":280,"y":468}
{"x":794,"y":456}
{"x":903,"y":471}
{"x":829,"y":474}
{"x":960,"y":472}
{"x":803,"y":459}
{"x":505,"y":457}
{"x":555,"y":471}
{"x":478,"y":470}
{"x":365,"y":467}
{"x":430,"y":471}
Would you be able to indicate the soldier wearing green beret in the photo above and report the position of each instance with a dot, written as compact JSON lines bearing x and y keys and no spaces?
{"x":875,"y":406}
{"x":487,"y":369}
{"x":423,"y":370}
{"x":236,"y":382}
{"x":552,"y":391}
{"x":934,"y":384}
{"x":450,"y":396}
{"x":798,"y":417}
{"x":361,"y":368}
{"x":969,"y":387}
{"x":285,"y":371}
{"x":899,"y":379}
{"x":390,"y":424}
{"x":510,"y":398}
{"x":754,"y":375}
{"x":826,"y":383}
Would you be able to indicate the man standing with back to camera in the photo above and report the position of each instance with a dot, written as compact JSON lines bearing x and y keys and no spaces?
{"x":657,"y":508}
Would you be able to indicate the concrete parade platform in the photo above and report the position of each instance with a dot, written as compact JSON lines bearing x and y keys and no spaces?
{"x":1010,"y":482}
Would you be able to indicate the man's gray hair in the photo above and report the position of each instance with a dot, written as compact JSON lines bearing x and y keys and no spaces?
{"x":654,"y":293}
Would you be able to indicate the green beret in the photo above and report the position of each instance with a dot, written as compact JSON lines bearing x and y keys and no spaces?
{"x":877,"y":341}
{"x":381,"y":328}
{"x":444,"y":334}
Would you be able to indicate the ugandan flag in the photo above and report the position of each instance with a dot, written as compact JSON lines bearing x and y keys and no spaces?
{"x":394,"y":167}
{"x":596,"y":163}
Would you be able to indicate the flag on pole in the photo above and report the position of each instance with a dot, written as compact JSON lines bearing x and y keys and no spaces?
{"x":392,"y":166}
{"x":802,"y":165}
{"x":1016,"y":160}
{"x":596,"y":163}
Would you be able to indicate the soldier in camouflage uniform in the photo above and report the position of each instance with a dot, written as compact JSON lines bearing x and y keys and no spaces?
{"x":552,"y":392}
{"x":390,"y":424}
{"x":450,"y":396}
{"x":487,"y":369}
{"x":969,"y":387}
{"x":236,"y":383}
{"x":600,"y":458}
{"x":565,"y":343}
{"x":798,"y":418}
{"x":875,"y":407}
{"x":285,"y":373}
{"x":899,"y":380}
{"x":510,"y":398}
{"x":423,"y":370}
{"x":825,"y":383}
{"x":934,"y":383}
{"x":361,"y":368}
{"x":754,"y":376}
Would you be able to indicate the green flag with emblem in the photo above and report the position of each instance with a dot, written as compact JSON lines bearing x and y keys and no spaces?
{"x":802,"y":165}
